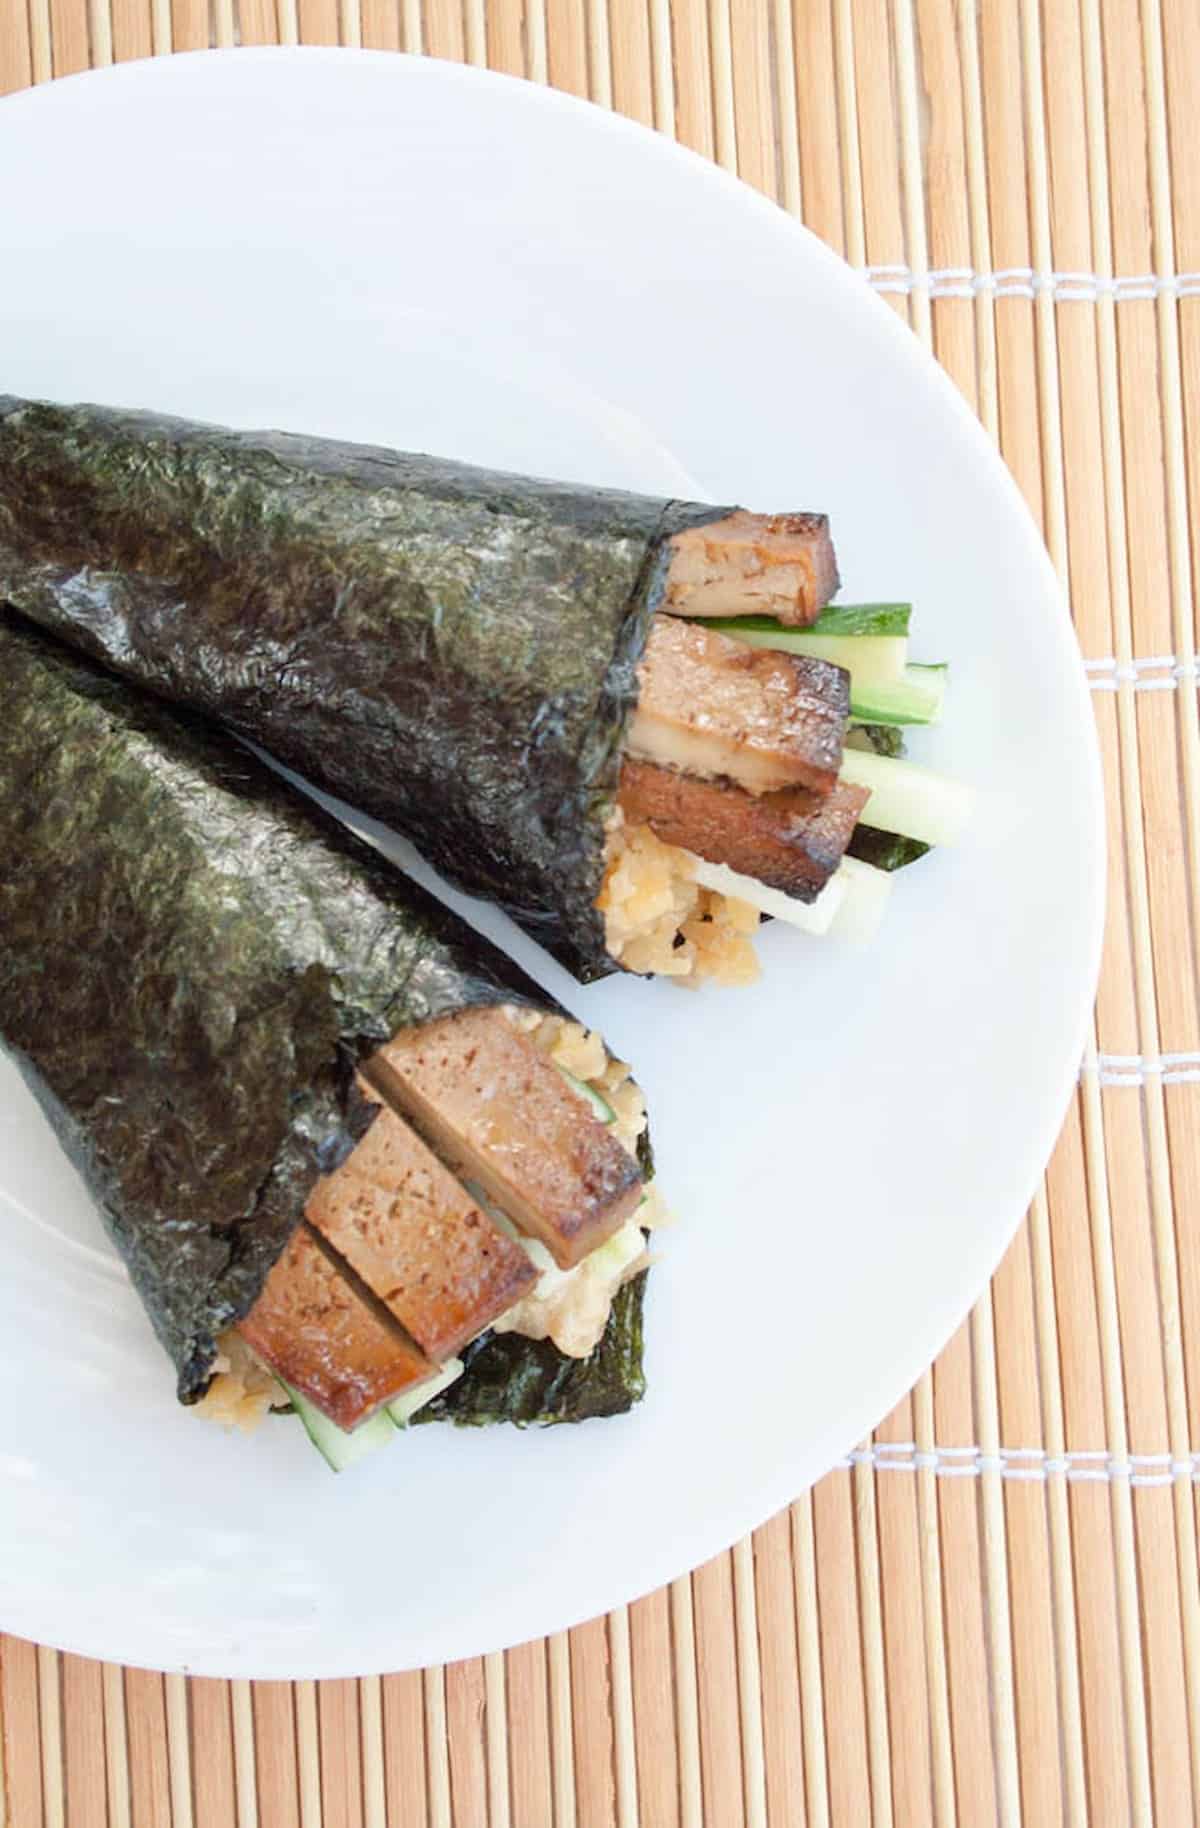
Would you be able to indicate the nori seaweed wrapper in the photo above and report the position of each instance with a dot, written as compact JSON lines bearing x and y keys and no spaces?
{"x":510,"y":1379}
{"x":452,"y":649}
{"x":881,"y":739}
{"x":885,"y":849}
{"x":193,"y":957}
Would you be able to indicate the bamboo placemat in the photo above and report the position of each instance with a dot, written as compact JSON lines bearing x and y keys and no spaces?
{"x":992,"y":1611}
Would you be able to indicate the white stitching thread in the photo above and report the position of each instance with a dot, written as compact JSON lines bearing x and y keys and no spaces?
{"x":1137,"y":1069}
{"x":1152,"y":663}
{"x":1158,"y":673}
{"x":1089,"y":1466}
{"x":1024,"y":282}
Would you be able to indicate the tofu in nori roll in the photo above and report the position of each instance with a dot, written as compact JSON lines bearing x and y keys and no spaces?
{"x":228,"y":1004}
{"x":472,"y":657}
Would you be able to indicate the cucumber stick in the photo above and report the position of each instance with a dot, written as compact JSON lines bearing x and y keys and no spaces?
{"x":913,"y":802}
{"x":874,"y":662}
{"x":863,"y":619}
{"x":871,"y":641}
{"x":401,"y":1410}
{"x":340,"y":1447}
{"x":810,"y":916}
{"x":851,"y":905}
{"x":834,"y":619}
{"x":867,"y":892}
{"x":915,"y":698}
{"x":600,"y":1106}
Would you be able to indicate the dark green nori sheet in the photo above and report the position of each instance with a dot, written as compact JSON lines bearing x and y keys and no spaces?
{"x":451,"y":649}
{"x":882,"y":739}
{"x":885,"y":849}
{"x":510,"y":1379}
{"x":192,"y":957}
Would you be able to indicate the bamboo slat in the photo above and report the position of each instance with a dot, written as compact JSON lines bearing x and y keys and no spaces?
{"x":529,"y":1733}
{"x":340,"y":1754}
{"x":993,"y":1612}
{"x":687,"y":1703}
{"x":405,"y":1785}
{"x":85,"y":1777}
{"x":22,"y":1732}
{"x":276,"y":1754}
{"x":212,"y":1754}
{"x":653,"y":1712}
{"x":593,"y":1760}
{"x":466,"y":1701}
{"x":779,"y":1661}
{"x":149,"y":1774}
{"x":567,"y":45}
{"x":852,"y":1759}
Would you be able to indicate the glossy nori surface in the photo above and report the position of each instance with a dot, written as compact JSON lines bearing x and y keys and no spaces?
{"x":886,"y":850}
{"x":510,"y":1379}
{"x":453,"y":650}
{"x":194,"y":957}
{"x":882,"y":739}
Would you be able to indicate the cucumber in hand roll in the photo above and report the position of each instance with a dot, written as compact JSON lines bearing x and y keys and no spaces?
{"x":542,"y":684}
{"x":346,"y":1149}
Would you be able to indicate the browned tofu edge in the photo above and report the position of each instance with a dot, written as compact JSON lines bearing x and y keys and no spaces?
{"x":792,"y":840}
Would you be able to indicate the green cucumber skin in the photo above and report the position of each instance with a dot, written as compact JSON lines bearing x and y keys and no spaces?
{"x":876,"y":713}
{"x":915,"y":699}
{"x":600,"y":1105}
{"x":863,"y":619}
{"x":916,"y":802}
{"x":340,"y":1447}
{"x":885,"y":686}
{"x":912,"y":695}
{"x":875,"y":664}
{"x":842,"y":619}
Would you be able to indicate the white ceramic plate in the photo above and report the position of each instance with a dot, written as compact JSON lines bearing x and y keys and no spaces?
{"x":416,"y":254}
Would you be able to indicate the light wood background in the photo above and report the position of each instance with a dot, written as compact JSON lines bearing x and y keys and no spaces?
{"x":992,"y":1612}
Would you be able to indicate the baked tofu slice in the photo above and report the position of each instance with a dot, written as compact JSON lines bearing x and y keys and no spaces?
{"x":416,"y":1238}
{"x":708,"y":705}
{"x":318,"y":1334}
{"x":792,"y":840}
{"x":779,"y":565}
{"x":498,"y":1110}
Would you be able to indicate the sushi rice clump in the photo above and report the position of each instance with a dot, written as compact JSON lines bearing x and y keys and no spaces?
{"x":243,"y":1391}
{"x":658,"y":919}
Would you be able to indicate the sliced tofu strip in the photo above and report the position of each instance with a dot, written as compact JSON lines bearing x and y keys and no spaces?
{"x":779,"y":565}
{"x":318,"y":1334}
{"x":712,"y":706}
{"x":501,"y":1113}
{"x":416,"y":1238}
{"x":792,"y":840}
